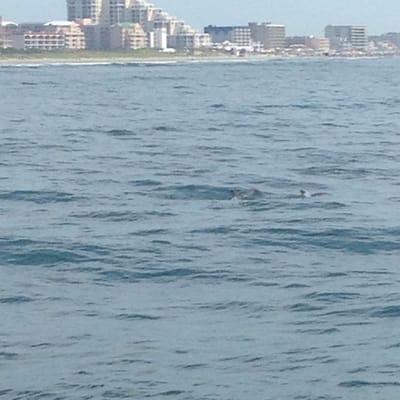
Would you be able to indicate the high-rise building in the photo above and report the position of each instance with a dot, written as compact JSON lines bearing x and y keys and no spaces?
{"x":271,"y":36}
{"x":342,"y":36}
{"x":117,"y":11}
{"x":139,"y":12}
{"x":160,"y":38}
{"x":108,"y":12}
{"x":82,"y":9}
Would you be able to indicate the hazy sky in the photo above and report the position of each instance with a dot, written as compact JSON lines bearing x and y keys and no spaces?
{"x":300,"y":16}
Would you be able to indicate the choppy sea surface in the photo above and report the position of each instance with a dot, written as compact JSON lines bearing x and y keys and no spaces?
{"x":153,"y":242}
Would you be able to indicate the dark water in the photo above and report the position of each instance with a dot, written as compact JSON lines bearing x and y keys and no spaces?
{"x":153,"y":243}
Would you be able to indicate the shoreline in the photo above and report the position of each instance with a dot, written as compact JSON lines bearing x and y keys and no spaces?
{"x":88,"y":60}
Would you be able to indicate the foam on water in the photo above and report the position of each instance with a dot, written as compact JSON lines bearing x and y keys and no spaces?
{"x":154,"y":243}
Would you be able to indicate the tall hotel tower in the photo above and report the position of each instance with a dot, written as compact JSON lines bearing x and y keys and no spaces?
{"x":79,"y":9}
{"x":108,"y":12}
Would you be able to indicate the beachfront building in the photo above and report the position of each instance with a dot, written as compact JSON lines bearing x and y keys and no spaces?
{"x":128,"y":37}
{"x":318,"y":44}
{"x":237,"y":35}
{"x":74,"y":37}
{"x":55,"y":35}
{"x":185,"y":37}
{"x":346,"y":37}
{"x":46,"y":41}
{"x":271,"y":36}
{"x":321,"y":45}
{"x":189,"y":41}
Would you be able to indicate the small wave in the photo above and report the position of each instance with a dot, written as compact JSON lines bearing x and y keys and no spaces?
{"x":137,"y":317}
{"x":331,"y":297}
{"x":196,"y":192}
{"x":120,"y":133}
{"x":164,"y":128}
{"x":219,"y":230}
{"x":171,"y":393}
{"x":194,"y":366}
{"x":38,"y":197}
{"x":15,"y":300}
{"x":18,"y":120}
{"x":334,"y":171}
{"x":215,"y":129}
{"x":146,"y":183}
{"x":112,"y":216}
{"x":249,"y":307}
{"x":360,"y":384}
{"x":45,"y":257}
{"x":180,"y":87}
{"x":328,"y":331}
{"x":296,"y":286}
{"x":303,"y":307}
{"x":161,"y":275}
{"x":207,"y":192}
{"x":8,"y":356}
{"x":150,"y":232}
{"x":218,"y":106}
{"x":387,"y":312}
{"x":28,"y":83}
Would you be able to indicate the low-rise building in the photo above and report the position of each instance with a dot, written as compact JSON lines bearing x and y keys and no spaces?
{"x":237,"y":35}
{"x":74,"y":36}
{"x":189,"y":41}
{"x":296,"y":41}
{"x":45,"y":41}
{"x":318,"y":44}
{"x":392,"y":37}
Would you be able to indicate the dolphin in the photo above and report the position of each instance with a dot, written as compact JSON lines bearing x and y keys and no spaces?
{"x":304,"y":194}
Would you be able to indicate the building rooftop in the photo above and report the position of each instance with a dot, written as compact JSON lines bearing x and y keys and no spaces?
{"x":59,"y":23}
{"x":8,"y":23}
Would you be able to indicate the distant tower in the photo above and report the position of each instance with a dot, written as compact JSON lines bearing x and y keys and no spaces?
{"x":108,"y":12}
{"x":117,"y":11}
{"x":79,"y":9}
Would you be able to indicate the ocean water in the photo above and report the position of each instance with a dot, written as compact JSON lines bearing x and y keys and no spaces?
{"x":153,"y":243}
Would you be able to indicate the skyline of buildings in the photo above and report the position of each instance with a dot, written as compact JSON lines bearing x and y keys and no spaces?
{"x":135,"y":24}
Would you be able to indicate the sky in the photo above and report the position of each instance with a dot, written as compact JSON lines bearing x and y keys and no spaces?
{"x":301,"y":17}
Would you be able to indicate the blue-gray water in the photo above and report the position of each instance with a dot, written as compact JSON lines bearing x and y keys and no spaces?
{"x":153,"y":243}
